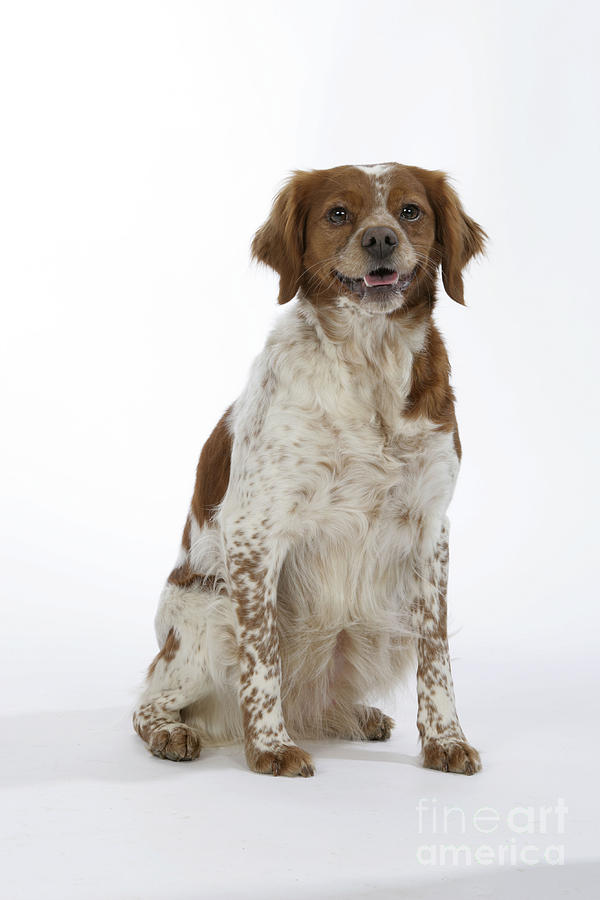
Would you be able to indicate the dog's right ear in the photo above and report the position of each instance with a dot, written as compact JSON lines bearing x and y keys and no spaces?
{"x":279,"y":243}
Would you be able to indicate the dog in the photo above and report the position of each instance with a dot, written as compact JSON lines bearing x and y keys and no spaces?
{"x":313,"y":567}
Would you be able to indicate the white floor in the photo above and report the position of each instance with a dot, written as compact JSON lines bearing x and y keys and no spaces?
{"x":88,"y":813}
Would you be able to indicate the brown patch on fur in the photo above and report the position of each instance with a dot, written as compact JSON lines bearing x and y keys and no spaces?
{"x":184,"y":576}
{"x":212,"y":479}
{"x":187,"y":535}
{"x":456,"y":440}
{"x":168,"y":651}
{"x":431,"y":395}
{"x":212,"y":473}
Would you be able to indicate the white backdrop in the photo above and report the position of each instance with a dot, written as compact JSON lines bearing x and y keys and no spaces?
{"x":142,"y":144}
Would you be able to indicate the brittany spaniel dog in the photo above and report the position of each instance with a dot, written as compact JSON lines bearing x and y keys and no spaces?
{"x":313,"y":565}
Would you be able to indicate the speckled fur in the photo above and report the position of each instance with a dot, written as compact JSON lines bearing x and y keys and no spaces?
{"x":321,"y":576}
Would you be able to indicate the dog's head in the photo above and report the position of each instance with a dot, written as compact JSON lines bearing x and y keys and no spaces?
{"x":373,"y":234}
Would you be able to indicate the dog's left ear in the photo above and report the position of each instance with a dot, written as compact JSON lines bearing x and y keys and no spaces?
{"x":459,"y":237}
{"x":279,"y":243}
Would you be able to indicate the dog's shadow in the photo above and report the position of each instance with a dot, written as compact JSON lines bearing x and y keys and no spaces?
{"x":100,"y":745}
{"x":356,"y":750}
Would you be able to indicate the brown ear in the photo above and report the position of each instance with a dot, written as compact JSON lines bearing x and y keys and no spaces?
{"x":280,"y":241}
{"x":459,"y":237}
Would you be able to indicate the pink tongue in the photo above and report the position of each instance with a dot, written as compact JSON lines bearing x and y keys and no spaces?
{"x":371,"y":280}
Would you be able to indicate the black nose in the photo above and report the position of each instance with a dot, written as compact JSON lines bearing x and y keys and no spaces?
{"x":380,"y":241}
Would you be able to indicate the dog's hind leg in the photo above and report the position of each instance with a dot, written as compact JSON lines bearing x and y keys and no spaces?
{"x":176,"y":678}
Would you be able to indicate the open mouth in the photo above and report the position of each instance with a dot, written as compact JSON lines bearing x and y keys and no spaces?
{"x":379,"y":281}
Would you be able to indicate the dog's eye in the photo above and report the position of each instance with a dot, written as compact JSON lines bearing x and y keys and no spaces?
{"x":410,"y":211}
{"x":338,"y":215}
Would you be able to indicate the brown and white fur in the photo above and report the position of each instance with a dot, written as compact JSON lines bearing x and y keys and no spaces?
{"x":313,"y":566}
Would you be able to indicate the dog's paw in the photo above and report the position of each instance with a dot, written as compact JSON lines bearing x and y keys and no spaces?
{"x":283,"y":759}
{"x":375,"y":725}
{"x":449,"y":755}
{"x":174,"y":741}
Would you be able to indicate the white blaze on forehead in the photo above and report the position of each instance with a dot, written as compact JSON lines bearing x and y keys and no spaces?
{"x":379,"y":175}
{"x":376,"y":169}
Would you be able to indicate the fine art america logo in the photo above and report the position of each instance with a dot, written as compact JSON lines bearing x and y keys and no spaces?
{"x":518,"y":836}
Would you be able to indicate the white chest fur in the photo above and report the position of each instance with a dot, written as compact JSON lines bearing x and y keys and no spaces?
{"x":358,"y":490}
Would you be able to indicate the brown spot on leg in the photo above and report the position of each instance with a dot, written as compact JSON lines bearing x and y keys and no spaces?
{"x":168,"y":651}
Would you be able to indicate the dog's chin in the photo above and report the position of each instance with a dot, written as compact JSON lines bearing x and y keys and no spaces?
{"x":379,"y":291}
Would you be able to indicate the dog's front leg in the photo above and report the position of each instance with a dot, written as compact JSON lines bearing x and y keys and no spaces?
{"x":254,"y":559}
{"x":444,"y":744}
